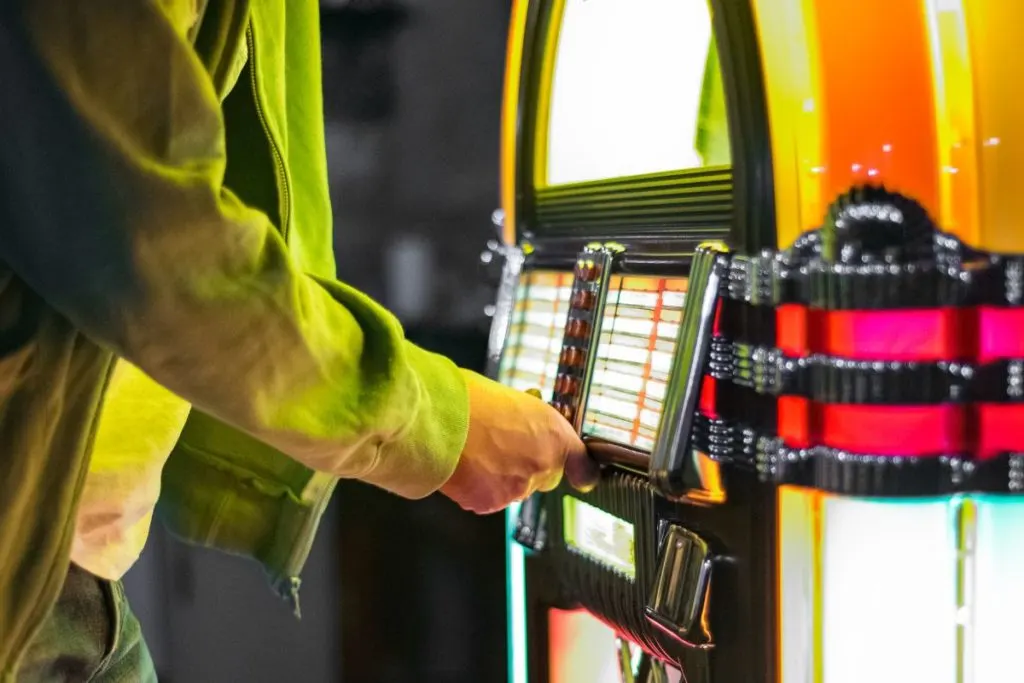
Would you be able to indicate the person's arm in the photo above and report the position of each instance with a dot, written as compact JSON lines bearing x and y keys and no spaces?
{"x":114,"y":211}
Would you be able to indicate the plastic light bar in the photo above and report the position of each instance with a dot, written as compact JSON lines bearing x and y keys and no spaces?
{"x":516,"y":581}
{"x":798,"y":590}
{"x":996,"y":593}
{"x":888,"y":582}
{"x":869,"y":589}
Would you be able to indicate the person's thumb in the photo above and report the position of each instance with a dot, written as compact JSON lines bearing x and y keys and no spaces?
{"x":581,"y":470}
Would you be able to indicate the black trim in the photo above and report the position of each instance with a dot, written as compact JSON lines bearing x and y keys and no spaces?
{"x":538,"y":18}
{"x":667,"y":258}
{"x":741,"y":448}
{"x":739,"y":53}
{"x":698,"y":200}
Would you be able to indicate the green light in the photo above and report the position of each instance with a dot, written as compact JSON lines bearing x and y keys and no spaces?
{"x":517,"y":643}
{"x":603,"y":537}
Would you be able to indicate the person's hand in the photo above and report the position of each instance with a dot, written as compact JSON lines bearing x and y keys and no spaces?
{"x":517,"y":444}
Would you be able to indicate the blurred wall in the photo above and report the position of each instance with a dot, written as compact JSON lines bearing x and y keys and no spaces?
{"x":417,"y":183}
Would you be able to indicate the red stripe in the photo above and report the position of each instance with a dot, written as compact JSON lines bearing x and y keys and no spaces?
{"x":892,"y":430}
{"x":791,"y":329}
{"x":1000,"y":429}
{"x":709,"y":397}
{"x":793,"y":421}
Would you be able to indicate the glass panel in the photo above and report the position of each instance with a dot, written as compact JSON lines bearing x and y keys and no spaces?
{"x":602,"y":537}
{"x":536,"y":329}
{"x":634,"y":356}
{"x":636,"y":89}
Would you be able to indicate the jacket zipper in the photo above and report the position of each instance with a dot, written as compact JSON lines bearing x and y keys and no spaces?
{"x":275,"y":151}
{"x":321,"y":486}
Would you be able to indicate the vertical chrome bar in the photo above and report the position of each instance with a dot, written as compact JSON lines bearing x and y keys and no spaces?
{"x":604,"y":256}
{"x":504,"y":304}
{"x":671,"y":455}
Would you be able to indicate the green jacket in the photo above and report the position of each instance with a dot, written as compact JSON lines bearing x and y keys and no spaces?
{"x":163,"y":198}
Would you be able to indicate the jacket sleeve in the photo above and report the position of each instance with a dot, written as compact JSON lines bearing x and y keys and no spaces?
{"x":114,"y":211}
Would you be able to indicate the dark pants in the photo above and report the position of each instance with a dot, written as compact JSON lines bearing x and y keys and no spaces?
{"x":90,"y":637}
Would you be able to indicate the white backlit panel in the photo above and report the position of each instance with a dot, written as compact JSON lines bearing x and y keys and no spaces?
{"x":629,"y":94}
{"x":536,"y":329}
{"x":634,"y":357}
{"x":602,"y":537}
{"x":888,"y":591}
{"x":996,"y":591}
{"x":583,"y":649}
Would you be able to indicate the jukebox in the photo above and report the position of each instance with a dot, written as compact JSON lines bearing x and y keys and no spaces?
{"x":763,"y":255}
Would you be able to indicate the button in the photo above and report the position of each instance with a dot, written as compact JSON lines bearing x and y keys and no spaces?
{"x":578,"y":328}
{"x":566,"y":409}
{"x":681,"y":596}
{"x":572,"y":357}
{"x":587,"y":270}
{"x":566,"y":384}
{"x":531,"y":525}
{"x":583,"y":300}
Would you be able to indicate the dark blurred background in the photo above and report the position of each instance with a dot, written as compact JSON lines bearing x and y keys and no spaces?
{"x":395,"y":591}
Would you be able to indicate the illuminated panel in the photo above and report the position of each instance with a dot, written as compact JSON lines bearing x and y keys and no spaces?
{"x":634,"y":356}
{"x":998,"y":592}
{"x":636,"y":89}
{"x":604,"y":538}
{"x":536,"y":328}
{"x":889,"y":599}
{"x":799,"y":587}
{"x":584,"y":650}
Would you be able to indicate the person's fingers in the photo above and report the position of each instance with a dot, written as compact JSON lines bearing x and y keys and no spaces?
{"x":581,"y":470}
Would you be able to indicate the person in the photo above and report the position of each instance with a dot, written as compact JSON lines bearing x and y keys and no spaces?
{"x":172,"y":338}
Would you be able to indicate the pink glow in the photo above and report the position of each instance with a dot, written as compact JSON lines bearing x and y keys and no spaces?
{"x":922,"y":335}
{"x":1000,"y":333}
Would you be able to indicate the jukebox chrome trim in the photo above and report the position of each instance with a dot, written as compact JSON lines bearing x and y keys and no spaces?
{"x":504,"y":304}
{"x":674,"y":470}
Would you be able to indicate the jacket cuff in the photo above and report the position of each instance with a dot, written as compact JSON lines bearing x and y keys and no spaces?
{"x":424,"y":456}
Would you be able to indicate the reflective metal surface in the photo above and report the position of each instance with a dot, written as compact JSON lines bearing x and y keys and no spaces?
{"x":674,"y":470}
{"x":531,"y":524}
{"x":680,"y":597}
